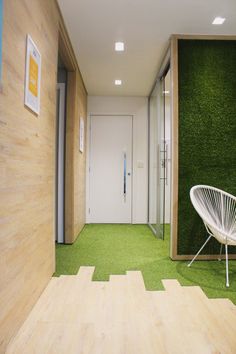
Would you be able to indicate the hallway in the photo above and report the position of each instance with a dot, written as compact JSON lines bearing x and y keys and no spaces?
{"x":108,"y":118}
{"x":77,"y":315}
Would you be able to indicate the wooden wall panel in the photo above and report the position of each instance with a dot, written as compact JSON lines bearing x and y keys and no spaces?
{"x":27,"y":163}
{"x":80,"y":162}
{"x":75,"y":160}
{"x":75,"y":178}
{"x":71,"y":115}
{"x":175,"y":146}
{"x":27,"y":145}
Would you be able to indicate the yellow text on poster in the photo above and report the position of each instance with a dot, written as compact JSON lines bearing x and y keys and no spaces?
{"x":33,"y":77}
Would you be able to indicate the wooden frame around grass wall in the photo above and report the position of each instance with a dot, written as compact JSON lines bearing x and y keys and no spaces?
{"x":175,"y":144}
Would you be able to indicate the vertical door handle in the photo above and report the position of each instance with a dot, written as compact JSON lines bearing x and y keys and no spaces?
{"x":125,"y":167}
{"x":166,"y":163}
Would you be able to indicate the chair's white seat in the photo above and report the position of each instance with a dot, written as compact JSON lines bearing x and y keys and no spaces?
{"x":217,"y":210}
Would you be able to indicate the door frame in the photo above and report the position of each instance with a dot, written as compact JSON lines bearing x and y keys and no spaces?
{"x":89,"y":160}
{"x":61,"y":87}
{"x":74,"y":80}
{"x":67,"y":55}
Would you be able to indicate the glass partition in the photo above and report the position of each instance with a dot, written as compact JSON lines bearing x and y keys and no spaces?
{"x":153,"y":160}
{"x":167,"y":148}
{"x":159,"y":155}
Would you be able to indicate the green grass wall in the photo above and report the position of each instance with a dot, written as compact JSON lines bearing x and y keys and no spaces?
{"x":207,"y":131}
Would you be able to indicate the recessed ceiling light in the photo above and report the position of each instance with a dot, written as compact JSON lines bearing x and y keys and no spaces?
{"x":218,"y":21}
{"x":119,"y":46}
{"x":118,"y":82}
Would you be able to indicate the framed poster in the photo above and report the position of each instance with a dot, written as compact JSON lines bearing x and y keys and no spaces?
{"x":81,"y":134}
{"x":32,"y":76}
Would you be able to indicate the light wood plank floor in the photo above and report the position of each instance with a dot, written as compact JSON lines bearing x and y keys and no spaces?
{"x":77,"y":315}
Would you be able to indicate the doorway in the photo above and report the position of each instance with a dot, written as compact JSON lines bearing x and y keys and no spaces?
{"x":159,"y":216}
{"x":60,"y":151}
{"x":110,"y":170}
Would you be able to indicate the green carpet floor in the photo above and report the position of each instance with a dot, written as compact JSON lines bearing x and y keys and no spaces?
{"x":114,"y":249}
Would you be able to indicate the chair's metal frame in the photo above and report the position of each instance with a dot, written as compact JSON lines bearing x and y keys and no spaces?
{"x":218,"y":212}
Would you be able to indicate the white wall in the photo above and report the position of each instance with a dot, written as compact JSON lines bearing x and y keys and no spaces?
{"x":138,"y":107}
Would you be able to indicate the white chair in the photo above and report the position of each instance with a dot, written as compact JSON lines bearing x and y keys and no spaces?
{"x":218,"y":212}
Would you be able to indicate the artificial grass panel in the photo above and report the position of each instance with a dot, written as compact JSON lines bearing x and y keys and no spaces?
{"x":115,"y":249}
{"x":207,"y":131}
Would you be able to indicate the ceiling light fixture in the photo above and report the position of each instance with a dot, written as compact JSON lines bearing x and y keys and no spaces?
{"x":218,"y":21}
{"x":119,"y":46}
{"x":118,"y":82}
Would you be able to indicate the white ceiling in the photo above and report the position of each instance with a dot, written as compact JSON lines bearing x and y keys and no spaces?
{"x":145,"y":26}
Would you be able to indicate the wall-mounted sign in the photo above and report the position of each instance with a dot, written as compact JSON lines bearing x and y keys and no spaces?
{"x":81,"y":134}
{"x":32,"y":76}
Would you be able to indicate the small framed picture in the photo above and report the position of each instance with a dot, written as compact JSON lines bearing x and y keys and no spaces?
{"x":81,"y":134}
{"x":32,"y":76}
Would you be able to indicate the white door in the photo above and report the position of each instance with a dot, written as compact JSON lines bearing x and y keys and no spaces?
{"x":110,"y":169}
{"x":60,"y":194}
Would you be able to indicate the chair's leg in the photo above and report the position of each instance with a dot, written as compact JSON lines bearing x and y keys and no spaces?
{"x":199,"y":251}
{"x":227,"y":265}
{"x":221,"y":246}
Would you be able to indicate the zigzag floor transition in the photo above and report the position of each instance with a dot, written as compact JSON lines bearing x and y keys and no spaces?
{"x":117,"y":315}
{"x":75,"y":315}
{"x":115,"y":249}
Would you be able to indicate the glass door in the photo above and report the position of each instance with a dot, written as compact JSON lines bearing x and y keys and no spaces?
{"x":161,"y":159}
{"x":153,"y":160}
{"x":159,"y":155}
{"x":167,"y":107}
